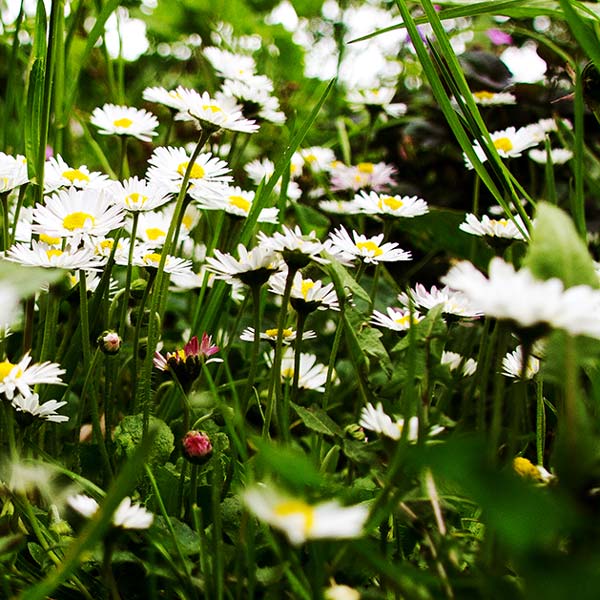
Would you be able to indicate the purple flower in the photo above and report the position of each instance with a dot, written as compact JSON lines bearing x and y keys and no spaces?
{"x":499,"y":38}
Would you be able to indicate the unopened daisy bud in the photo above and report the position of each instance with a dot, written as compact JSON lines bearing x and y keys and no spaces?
{"x":197,"y":447}
{"x":109,"y":342}
{"x":137,"y":288}
{"x":355,"y":431}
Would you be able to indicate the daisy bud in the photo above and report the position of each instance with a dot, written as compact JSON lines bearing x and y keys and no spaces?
{"x":109,"y":342}
{"x":196,"y":447}
{"x":355,"y":431}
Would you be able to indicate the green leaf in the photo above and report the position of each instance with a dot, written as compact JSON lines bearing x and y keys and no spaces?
{"x":187,"y":539}
{"x":318,"y":420}
{"x":344,"y":282}
{"x":556,"y":250}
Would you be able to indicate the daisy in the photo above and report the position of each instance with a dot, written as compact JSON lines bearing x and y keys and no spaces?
{"x":160,"y":95}
{"x":173,"y":265}
{"x":253,"y":267}
{"x":82,"y":504}
{"x":494,"y":228}
{"x":453,"y":302}
{"x":13,"y":172}
{"x":377,"y":98}
{"x":526,"y":469}
{"x":30,"y":406}
{"x":77,"y":214}
{"x":289,"y":335}
{"x":512,"y":365}
{"x":375,"y":419}
{"x":369,"y":250}
{"x":229,"y":65}
{"x":485,"y":98}
{"x":396,"y":319}
{"x":238,"y":202}
{"x":40,"y":255}
{"x":559,"y":156}
{"x":127,"y":515}
{"x":318,"y":158}
{"x":218,"y":112}
{"x":453,"y":360}
{"x":259,"y":170}
{"x":312,"y":375}
{"x":168,"y":166}
{"x":340,"y":207}
{"x":125,"y":120}
{"x":297,"y":249}
{"x":301,"y":521}
{"x":372,"y":203}
{"x":509,"y":143}
{"x":307,"y":295}
{"x":137,"y":195}
{"x":376,"y":176}
{"x":58,"y":174}
{"x":255,"y":95}
{"x":22,"y":375}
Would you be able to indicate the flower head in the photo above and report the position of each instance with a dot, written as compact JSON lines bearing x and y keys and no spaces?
{"x":254,"y":267}
{"x":494,"y":228}
{"x":375,"y":419}
{"x":512,"y":365}
{"x":138,"y":195}
{"x":397,"y":319}
{"x":29,"y":407}
{"x":127,"y":515}
{"x":125,"y":120}
{"x":307,"y":295}
{"x":384,"y":205}
{"x":376,"y":176}
{"x":58,"y":174}
{"x":485,"y":98}
{"x":13,"y":172}
{"x":20,"y":377}
{"x":197,"y":447}
{"x":369,"y":250}
{"x":296,"y":249}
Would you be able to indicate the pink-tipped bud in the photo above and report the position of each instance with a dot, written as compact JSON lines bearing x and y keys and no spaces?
{"x":197,"y":447}
{"x":109,"y":342}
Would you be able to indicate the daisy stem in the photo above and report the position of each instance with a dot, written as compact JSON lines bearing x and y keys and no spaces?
{"x":540,"y":423}
{"x":9,"y":423}
{"x":302,"y":316}
{"x":123,"y":170}
{"x":158,"y":298}
{"x":339,"y":330}
{"x":169,"y":127}
{"x":125,"y":300}
{"x":109,"y":577}
{"x":255,"y":289}
{"x":50,"y":324}
{"x":275,"y":382}
{"x":5,"y":219}
{"x":20,"y":201}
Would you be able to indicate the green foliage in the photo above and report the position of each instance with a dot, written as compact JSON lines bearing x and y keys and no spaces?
{"x":129,"y":433}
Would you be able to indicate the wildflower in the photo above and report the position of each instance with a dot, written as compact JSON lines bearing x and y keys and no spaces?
{"x":396,"y":319}
{"x":559,"y":156}
{"x":22,"y":375}
{"x":258,"y":170}
{"x":230,"y":65}
{"x":341,"y":592}
{"x":340,"y":207}
{"x":169,"y":164}
{"x":370,"y":250}
{"x":494,"y":228}
{"x":29,"y":407}
{"x":218,"y":112}
{"x":453,"y":302}
{"x":254,"y":93}
{"x":289,"y":335}
{"x":254,"y":267}
{"x":127,"y":515}
{"x":379,"y":99}
{"x":109,"y":342}
{"x":512,"y":365}
{"x":524,"y":63}
{"x":125,"y":120}
{"x":13,"y":172}
{"x":312,"y":375}
{"x":372,"y":203}
{"x":376,"y":176}
{"x":375,"y":419}
{"x":527,"y":470}
{"x":297,"y":249}
{"x":153,"y":227}
{"x":317,"y":158}
{"x":197,"y":447}
{"x":301,"y":521}
{"x":237,"y":202}
{"x":58,"y":174}
{"x":137,"y":195}
{"x":307,"y":295}
{"x":77,"y":214}
{"x":84,"y":505}
{"x":485,"y":98}
{"x":173,"y":264}
{"x":453,"y":360}
{"x":40,"y":255}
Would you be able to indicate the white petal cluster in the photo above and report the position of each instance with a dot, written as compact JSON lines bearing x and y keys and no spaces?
{"x":226,"y":267}
{"x":127,"y":515}
{"x":22,"y":376}
{"x":512,"y":365}
{"x":453,"y":360}
{"x":13,"y":172}
{"x":46,"y":411}
{"x":306,"y":290}
{"x":502,"y":228}
{"x":396,"y":319}
{"x":453,"y":302}
{"x":377,"y":420}
{"x":112,"y":119}
{"x":368,"y":249}
{"x":372,"y":203}
{"x":312,"y":376}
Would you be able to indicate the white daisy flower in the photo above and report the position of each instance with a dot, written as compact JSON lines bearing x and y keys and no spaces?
{"x":30,"y":405}
{"x":137,"y":195}
{"x":559,"y":156}
{"x":252,"y":267}
{"x":499,"y":228}
{"x":340,"y":207}
{"x":40,"y":255}
{"x":454,"y":303}
{"x":306,"y":295}
{"x":13,"y":172}
{"x":168,"y":166}
{"x":255,"y":95}
{"x":127,"y":515}
{"x":375,"y":419}
{"x":318,"y":158}
{"x":301,"y":521}
{"x":270,"y":335}
{"x":257,"y":170}
{"x":369,"y":250}
{"x":84,"y":505}
{"x":112,"y":119}
{"x":453,"y":360}
{"x":21,"y":376}
{"x":160,"y":95}
{"x":377,"y":98}
{"x":229,"y":65}
{"x":396,"y":319}
{"x":236,"y":201}
{"x":509,"y":143}
{"x":485,"y":98}
{"x":512,"y":365}
{"x":376,"y":176}
{"x":77,"y":214}
{"x":297,"y":249}
{"x":312,"y":376}
{"x":372,"y":203}
{"x":218,"y":112}
{"x":173,"y":264}
{"x":58,"y":174}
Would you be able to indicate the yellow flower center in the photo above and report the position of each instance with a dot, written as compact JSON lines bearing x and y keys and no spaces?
{"x":503,"y":144}
{"x":273,"y":333}
{"x":306,"y":286}
{"x":5,"y":368}
{"x":370,"y":247}
{"x":74,"y":175}
{"x":54,"y":252}
{"x":297,"y":507}
{"x":310,"y":158}
{"x":107,"y":244}
{"x":135,"y":199}
{"x":365,"y":167}
{"x":123,"y":122}
{"x":525,"y":468}
{"x":48,"y":239}
{"x":240,"y":202}
{"x":402,"y":320}
{"x":502,"y":222}
{"x":213,"y":108}
{"x":484,"y":95}
{"x":197,"y":171}
{"x":391,"y":202}
{"x":152,"y":257}
{"x":187,"y":221}
{"x":154,"y":233}
{"x":77,"y":220}
{"x":287,"y":373}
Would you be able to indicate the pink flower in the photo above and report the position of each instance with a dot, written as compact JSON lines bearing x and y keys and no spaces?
{"x":499,"y":38}
{"x":197,"y":447}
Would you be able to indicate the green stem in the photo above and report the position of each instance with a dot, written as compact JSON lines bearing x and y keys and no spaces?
{"x":109,"y":577}
{"x":125,"y":300}
{"x":540,"y":423}
{"x":302,"y":316}
{"x":5,"y":219}
{"x":255,"y":289}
